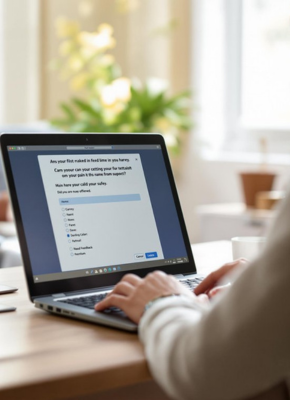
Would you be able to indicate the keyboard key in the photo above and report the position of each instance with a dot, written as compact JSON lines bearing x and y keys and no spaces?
{"x":85,"y":301}
{"x":191,"y":283}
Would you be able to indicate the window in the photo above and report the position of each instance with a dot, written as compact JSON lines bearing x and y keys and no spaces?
{"x":265,"y":65}
{"x":242,"y":47}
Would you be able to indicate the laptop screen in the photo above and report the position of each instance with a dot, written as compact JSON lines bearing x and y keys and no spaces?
{"x":96,"y":210}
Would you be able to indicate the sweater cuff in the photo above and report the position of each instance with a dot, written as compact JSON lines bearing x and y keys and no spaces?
{"x":166,"y":303}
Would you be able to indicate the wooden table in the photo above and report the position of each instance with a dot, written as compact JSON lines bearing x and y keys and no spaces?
{"x":43,"y":356}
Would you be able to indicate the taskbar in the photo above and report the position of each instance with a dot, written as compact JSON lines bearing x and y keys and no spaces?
{"x":107,"y":270}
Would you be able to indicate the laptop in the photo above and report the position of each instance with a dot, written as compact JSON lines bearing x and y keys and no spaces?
{"x":90,"y":208}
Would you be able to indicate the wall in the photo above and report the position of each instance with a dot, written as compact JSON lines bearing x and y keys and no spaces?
{"x":215,"y":179}
{"x":205,"y":177}
{"x":140,"y":51}
{"x":19,"y":61}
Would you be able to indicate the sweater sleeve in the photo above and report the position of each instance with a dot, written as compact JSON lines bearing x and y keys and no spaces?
{"x":237,"y":347}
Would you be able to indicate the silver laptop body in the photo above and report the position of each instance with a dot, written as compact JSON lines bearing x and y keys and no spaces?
{"x":90,"y":208}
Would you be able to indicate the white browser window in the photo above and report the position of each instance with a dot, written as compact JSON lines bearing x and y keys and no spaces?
{"x":100,"y":210}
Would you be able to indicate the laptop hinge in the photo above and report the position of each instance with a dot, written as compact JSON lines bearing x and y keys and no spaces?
{"x":92,"y":290}
{"x":58,"y":295}
{"x":189,"y":273}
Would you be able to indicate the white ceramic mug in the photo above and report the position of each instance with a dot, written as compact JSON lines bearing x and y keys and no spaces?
{"x":247,"y":246}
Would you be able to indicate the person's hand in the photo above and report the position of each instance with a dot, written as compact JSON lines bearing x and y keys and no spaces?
{"x":132,"y":293}
{"x":5,"y":208}
{"x":209,"y":284}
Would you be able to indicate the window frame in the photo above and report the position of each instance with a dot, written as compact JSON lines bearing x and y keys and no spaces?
{"x":239,"y":134}
{"x":236,"y":135}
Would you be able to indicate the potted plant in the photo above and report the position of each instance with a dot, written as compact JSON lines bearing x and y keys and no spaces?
{"x":255,"y":182}
{"x":107,"y":101}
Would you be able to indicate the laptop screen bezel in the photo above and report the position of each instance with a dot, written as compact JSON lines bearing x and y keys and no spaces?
{"x":91,"y":282}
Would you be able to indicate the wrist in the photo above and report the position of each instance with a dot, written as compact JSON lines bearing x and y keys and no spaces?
{"x":154,"y":301}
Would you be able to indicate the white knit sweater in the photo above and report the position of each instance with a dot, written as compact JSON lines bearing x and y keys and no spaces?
{"x":238,"y":346}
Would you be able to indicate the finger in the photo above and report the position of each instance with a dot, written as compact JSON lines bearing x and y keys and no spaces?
{"x":158,"y":273}
{"x":156,"y":276}
{"x":242,"y":260}
{"x":124,"y":288}
{"x":211,"y":280}
{"x":132,"y":279}
{"x":208,"y":283}
{"x":203,"y":298}
{"x":218,"y":289}
{"x":115,"y":300}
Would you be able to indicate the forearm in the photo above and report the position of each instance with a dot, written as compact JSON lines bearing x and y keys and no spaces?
{"x":238,"y":348}
{"x":165,"y":330}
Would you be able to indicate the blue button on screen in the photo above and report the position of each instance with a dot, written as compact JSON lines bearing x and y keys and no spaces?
{"x":153,"y":254}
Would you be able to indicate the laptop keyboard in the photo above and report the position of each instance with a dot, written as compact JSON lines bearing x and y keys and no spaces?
{"x":191,"y":283}
{"x":90,"y":301}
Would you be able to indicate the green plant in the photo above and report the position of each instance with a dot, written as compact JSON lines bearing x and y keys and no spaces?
{"x":108,"y":101}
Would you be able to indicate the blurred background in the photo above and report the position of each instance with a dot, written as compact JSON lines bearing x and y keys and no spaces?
{"x":211,"y":75}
